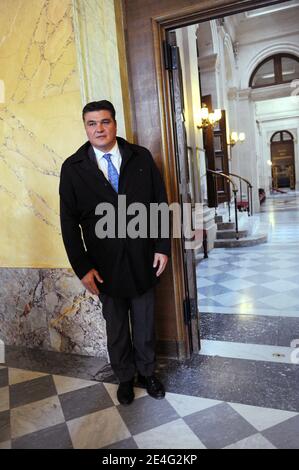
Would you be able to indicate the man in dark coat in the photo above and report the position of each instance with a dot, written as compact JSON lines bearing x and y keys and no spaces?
{"x":122,"y":270}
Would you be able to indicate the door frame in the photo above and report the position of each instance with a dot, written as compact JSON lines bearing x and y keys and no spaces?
{"x":160,"y":24}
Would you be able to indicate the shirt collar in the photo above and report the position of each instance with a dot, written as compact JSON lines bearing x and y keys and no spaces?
{"x":114,"y":151}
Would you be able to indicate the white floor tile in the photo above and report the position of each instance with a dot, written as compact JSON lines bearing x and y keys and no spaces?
{"x":35,"y":416}
{"x":281,"y":301}
{"x":4,"y":399}
{"x":174,"y":435}
{"x":281,"y":285}
{"x":242,"y":272}
{"x":203,"y":282}
{"x":231,"y":299}
{"x":16,"y":376}
{"x":185,"y":405}
{"x":253,"y":442}
{"x":5,"y":445}
{"x":237,"y":284}
{"x":69,"y":384}
{"x":262,"y":418}
{"x":98,"y":429}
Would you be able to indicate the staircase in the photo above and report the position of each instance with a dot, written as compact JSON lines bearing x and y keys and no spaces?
{"x":226,"y":236}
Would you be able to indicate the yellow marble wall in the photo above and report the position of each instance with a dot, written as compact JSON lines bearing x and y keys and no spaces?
{"x":40,"y":125}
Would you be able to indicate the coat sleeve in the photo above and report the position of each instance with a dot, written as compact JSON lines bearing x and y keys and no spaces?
{"x":162,"y":244}
{"x":70,"y":226}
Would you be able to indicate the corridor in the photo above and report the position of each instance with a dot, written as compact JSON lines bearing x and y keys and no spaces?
{"x":241,"y":391}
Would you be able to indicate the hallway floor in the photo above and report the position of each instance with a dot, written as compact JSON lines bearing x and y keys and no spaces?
{"x":241,"y":391}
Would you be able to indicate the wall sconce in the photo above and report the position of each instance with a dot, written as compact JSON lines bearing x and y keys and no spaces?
{"x":235,"y":138}
{"x":269,"y":162}
{"x":209,"y":119}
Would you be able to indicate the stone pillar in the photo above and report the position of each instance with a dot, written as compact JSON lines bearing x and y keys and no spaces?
{"x":246,"y":152}
{"x":101,"y":57}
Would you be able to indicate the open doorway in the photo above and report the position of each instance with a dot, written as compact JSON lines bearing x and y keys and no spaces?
{"x":211,"y":69}
{"x":283,"y":160}
{"x":245,"y":107}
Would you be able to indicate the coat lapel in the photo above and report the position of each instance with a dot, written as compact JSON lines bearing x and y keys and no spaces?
{"x":126,"y":155}
{"x":86,"y":165}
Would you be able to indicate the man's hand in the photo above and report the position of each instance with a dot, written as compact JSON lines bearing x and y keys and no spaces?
{"x":160,"y":260}
{"x":89,"y":283}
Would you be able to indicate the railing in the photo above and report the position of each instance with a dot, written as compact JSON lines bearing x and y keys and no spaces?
{"x":249,"y":193}
{"x":215,"y":175}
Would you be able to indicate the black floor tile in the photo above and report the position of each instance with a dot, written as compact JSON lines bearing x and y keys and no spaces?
{"x":284,"y":435}
{"x":4,"y":426}
{"x":3,"y":377}
{"x":126,"y":444}
{"x":85,"y":401}
{"x":56,"y":437}
{"x":219,"y":426}
{"x":31,"y":390}
{"x":146,"y":413}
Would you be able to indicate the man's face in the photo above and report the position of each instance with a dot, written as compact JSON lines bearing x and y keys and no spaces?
{"x":100,"y":129}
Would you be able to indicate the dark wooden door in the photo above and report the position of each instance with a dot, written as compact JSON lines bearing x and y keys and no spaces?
{"x":215,"y":144}
{"x":283,"y":161}
{"x":173,"y":64}
{"x":221,"y":158}
{"x":208,"y":143}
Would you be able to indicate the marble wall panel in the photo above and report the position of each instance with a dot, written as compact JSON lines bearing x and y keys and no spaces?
{"x":42,"y":89}
{"x":50,"y":309}
{"x":40,"y":126}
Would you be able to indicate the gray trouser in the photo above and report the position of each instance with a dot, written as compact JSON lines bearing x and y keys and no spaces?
{"x":135,"y":349}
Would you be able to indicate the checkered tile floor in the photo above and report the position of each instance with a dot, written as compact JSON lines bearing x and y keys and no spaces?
{"x":39,"y":410}
{"x":249,"y":279}
{"x":261,"y":277}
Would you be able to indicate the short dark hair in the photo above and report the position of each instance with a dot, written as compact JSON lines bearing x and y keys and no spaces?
{"x":99,"y":106}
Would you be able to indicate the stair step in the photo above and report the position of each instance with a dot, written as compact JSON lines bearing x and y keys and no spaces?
{"x":242,"y":242}
{"x":225,"y":225}
{"x":230,"y":234}
{"x":218,"y":219}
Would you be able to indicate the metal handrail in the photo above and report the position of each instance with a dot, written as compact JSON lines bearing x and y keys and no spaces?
{"x":241,"y":177}
{"x":225,"y":176}
{"x":249,"y":192}
{"x":235,"y":191}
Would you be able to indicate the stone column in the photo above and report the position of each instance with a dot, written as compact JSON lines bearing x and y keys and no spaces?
{"x":101,"y":56}
{"x":247,"y":151}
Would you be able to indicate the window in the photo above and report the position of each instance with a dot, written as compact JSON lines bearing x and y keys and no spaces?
{"x":282,"y":136}
{"x":277,"y":69}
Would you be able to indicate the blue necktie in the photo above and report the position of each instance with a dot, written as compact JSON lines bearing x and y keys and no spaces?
{"x":113,"y":176}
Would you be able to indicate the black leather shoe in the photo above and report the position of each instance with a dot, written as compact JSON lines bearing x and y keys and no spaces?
{"x":125,"y":392}
{"x":153,"y":386}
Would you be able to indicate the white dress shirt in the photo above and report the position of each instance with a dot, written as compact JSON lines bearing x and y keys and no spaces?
{"x":102,"y":162}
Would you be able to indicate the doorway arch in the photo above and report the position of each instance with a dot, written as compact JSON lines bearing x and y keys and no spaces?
{"x":283,"y":160}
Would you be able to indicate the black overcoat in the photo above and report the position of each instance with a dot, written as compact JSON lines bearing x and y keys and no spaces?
{"x":125,"y":264}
